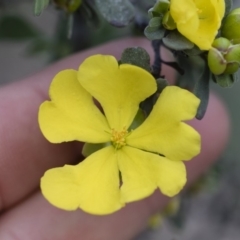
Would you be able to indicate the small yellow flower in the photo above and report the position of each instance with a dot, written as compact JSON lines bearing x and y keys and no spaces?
{"x":198,"y":20}
{"x":94,"y":185}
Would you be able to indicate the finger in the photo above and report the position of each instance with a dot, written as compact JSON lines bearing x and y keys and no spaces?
{"x":24,"y":153}
{"x":38,"y":220}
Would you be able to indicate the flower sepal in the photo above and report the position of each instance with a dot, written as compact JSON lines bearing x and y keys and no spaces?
{"x":225,"y":80}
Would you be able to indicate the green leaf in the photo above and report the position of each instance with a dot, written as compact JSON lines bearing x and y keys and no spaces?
{"x":16,"y":28}
{"x":174,"y":40}
{"x":136,"y":56}
{"x":161,"y":84}
{"x":138,"y":120}
{"x":38,"y":46}
{"x":192,"y":67}
{"x":235,"y":76}
{"x":228,"y":6}
{"x":40,"y":5}
{"x":193,"y":52}
{"x":89,"y":148}
{"x":155,"y":22}
{"x":154,"y":33}
{"x":152,"y":13}
{"x":161,"y":6}
{"x":147,"y":104}
{"x":224,"y":80}
{"x":117,"y":12}
{"x":201,"y":90}
{"x":196,"y":77}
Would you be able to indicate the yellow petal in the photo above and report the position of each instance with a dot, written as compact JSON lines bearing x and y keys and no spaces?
{"x":61,"y":188}
{"x":100,"y":182}
{"x":139,"y":170}
{"x":219,"y":5}
{"x":71,"y":115}
{"x":198,"y":20}
{"x":183,"y":10}
{"x":119,"y":89}
{"x":142,"y":172}
{"x":162,"y":131}
{"x":172,"y":176}
{"x":92,"y":185}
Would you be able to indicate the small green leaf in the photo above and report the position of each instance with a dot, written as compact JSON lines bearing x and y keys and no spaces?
{"x":235,"y":76}
{"x":192,"y":68}
{"x":38,"y":46}
{"x":147,"y":104}
{"x":117,"y":12}
{"x":193,"y":52}
{"x":154,"y":33}
{"x":138,"y":120}
{"x":136,"y":56}
{"x":161,"y":84}
{"x":161,"y":6}
{"x":40,"y":5}
{"x":16,"y":28}
{"x":228,"y":6}
{"x":152,"y":13}
{"x":90,"y":148}
{"x":201,"y":90}
{"x":174,"y":40}
{"x":155,"y":22}
{"x":224,"y":80}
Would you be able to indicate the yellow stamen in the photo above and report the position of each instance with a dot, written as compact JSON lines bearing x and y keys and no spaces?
{"x":118,"y":138}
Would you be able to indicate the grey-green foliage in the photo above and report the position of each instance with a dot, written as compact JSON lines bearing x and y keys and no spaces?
{"x":155,"y":29}
{"x":40,"y":5}
{"x":161,"y":84}
{"x":201,"y":90}
{"x":154,"y":33}
{"x":196,"y":77}
{"x":136,"y":56}
{"x":176,"y":41}
{"x":16,"y":28}
{"x":117,"y":12}
{"x":228,"y":6}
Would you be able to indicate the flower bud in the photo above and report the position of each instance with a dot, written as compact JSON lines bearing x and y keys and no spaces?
{"x":221,"y":44}
{"x":233,"y":54}
{"x":231,"y":68}
{"x":216,"y":61}
{"x":224,"y":58}
{"x":231,"y":26}
{"x":168,"y":21}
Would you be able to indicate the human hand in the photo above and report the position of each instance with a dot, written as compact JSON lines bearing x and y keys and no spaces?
{"x":25,"y":155}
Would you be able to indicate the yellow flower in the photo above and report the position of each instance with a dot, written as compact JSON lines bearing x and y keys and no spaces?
{"x":95,"y":184}
{"x":198,"y":20}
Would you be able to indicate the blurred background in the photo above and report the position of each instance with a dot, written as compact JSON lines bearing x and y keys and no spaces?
{"x":211,"y":208}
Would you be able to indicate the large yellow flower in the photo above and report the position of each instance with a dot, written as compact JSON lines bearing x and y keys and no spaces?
{"x":198,"y":20}
{"x":146,"y":158}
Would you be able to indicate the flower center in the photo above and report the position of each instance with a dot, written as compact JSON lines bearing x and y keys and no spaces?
{"x":118,"y":138}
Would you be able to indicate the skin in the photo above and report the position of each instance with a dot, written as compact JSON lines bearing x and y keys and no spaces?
{"x":25,"y":155}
